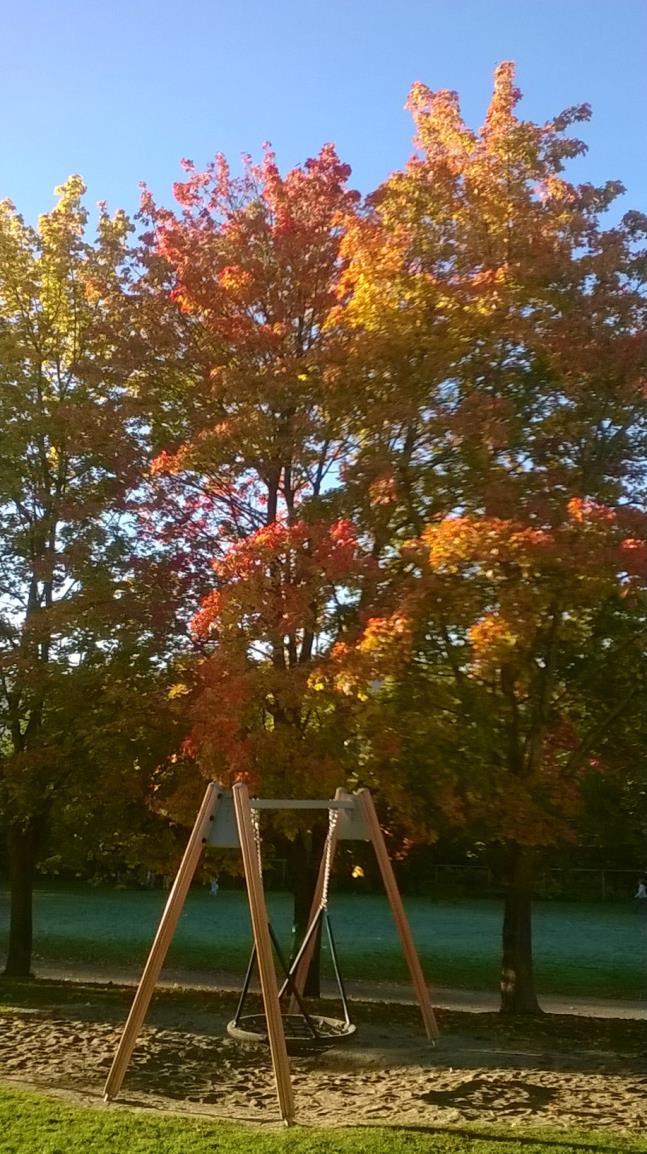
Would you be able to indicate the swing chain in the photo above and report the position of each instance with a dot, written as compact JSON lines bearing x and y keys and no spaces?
{"x":256,"y":825}
{"x":332,"y":826}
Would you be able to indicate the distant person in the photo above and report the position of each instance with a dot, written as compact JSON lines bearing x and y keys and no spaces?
{"x":214,"y":887}
{"x":641,"y":895}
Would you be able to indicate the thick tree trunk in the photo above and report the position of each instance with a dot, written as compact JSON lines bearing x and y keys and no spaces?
{"x":21,"y":848}
{"x":303,"y":863}
{"x":518,"y":994}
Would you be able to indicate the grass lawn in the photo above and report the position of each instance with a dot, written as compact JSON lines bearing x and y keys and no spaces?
{"x":37,"y":1124}
{"x":582,"y":949}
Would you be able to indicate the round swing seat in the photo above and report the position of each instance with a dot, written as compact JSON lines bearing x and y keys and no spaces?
{"x":298,"y":1037}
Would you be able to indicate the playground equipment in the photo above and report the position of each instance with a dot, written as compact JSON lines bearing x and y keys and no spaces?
{"x":229,"y":819}
{"x":303,"y":1030}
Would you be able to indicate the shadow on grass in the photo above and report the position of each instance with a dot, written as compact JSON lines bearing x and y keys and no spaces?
{"x":505,"y":1144}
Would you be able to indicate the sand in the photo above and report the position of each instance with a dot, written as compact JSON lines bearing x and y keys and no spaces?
{"x":481,"y":1069}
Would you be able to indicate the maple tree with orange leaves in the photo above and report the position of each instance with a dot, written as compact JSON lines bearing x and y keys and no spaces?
{"x":499,"y":329}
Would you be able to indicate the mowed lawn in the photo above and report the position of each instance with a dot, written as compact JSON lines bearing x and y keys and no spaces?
{"x":580,"y":949}
{"x":31,"y":1123}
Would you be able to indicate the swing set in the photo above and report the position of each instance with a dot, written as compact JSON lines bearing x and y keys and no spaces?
{"x":230,"y":819}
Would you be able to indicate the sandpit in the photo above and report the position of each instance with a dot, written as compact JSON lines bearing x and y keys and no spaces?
{"x":481,"y":1070}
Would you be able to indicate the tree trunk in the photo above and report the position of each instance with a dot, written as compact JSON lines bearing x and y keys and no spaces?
{"x":517,"y":982}
{"x":303,"y":862}
{"x":21,"y":848}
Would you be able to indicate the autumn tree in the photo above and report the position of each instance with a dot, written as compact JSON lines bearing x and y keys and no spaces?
{"x":251,"y":464}
{"x":511,"y":681}
{"x":71,"y":450}
{"x":490,"y":304}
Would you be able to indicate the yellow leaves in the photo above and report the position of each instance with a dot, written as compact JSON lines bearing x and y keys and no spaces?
{"x":51,"y":279}
{"x":450,"y":543}
{"x":180,"y":689}
{"x":66,"y":222}
{"x":70,"y":193}
{"x":383,"y":490}
{"x":453,"y":241}
{"x":382,"y":633}
{"x":592,"y":513}
{"x":505,"y":97}
{"x":235,"y":279}
{"x":440,"y":128}
{"x":360,"y":671}
{"x":92,"y":292}
{"x":489,"y":543}
{"x":494,"y":641}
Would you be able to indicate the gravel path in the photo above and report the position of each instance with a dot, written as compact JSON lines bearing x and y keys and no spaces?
{"x":478,"y":1001}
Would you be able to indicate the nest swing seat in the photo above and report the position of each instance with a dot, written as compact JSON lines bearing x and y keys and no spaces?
{"x":303,"y":1030}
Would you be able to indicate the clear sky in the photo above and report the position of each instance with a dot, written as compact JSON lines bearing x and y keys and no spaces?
{"x":119,"y":90}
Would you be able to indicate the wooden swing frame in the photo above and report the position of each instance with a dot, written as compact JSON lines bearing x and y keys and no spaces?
{"x":357,"y":820}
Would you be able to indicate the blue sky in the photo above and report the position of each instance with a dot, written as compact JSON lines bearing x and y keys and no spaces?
{"x":119,"y":90}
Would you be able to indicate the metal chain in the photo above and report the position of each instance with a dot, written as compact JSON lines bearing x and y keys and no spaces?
{"x":256,"y":824}
{"x":333,"y":818}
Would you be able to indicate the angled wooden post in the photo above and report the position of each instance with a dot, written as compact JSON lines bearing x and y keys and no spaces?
{"x":265,"y":958}
{"x":161,"y":943}
{"x":399,"y":915}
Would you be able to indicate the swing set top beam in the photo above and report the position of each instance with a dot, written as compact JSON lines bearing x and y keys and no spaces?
{"x":301,"y":803}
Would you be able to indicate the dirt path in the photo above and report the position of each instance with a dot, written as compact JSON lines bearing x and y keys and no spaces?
{"x":478,"y":1001}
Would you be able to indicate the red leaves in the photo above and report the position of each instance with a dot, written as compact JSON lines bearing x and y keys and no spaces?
{"x":254,"y":262}
{"x":279,"y":578}
{"x":249,"y":253}
{"x":583,"y":512}
{"x":633,"y":555}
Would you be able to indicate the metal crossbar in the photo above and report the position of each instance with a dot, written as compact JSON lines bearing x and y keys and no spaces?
{"x":290,"y":803}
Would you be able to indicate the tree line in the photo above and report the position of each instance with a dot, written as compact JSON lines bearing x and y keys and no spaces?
{"x":310,"y":489}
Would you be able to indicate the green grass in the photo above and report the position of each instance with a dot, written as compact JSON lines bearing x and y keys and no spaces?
{"x":36,"y":1124}
{"x":582,"y":949}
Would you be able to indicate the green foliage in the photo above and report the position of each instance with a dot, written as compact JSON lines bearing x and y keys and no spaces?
{"x":82,"y":692}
